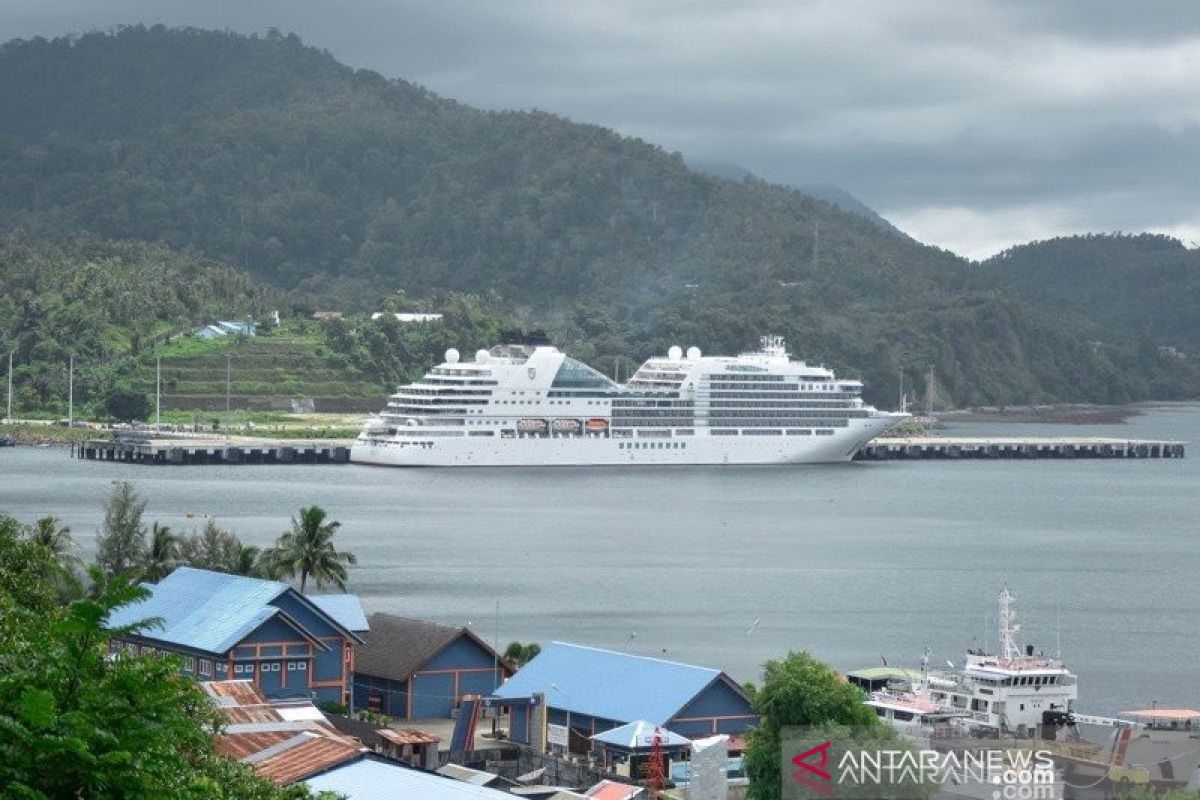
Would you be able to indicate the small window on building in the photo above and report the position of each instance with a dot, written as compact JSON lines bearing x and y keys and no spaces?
{"x":291,"y":666}
{"x":205,"y":667}
{"x":303,"y":665}
{"x":190,"y":664}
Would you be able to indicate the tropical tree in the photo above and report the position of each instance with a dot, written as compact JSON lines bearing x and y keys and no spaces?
{"x":213,"y":548}
{"x":249,"y":562}
{"x":77,"y":723}
{"x":307,"y":550}
{"x":519,"y":654}
{"x":50,"y":534}
{"x":796,"y":690}
{"x":121,"y":545}
{"x":162,"y":555}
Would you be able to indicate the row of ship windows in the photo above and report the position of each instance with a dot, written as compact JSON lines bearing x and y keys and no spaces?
{"x":819,"y":389}
{"x":832,"y":413}
{"x":720,"y":376}
{"x":769,"y":432}
{"x":744,"y":410}
{"x":781,"y":395}
{"x":652,"y":445}
{"x":799,"y":402}
{"x":829,"y":422}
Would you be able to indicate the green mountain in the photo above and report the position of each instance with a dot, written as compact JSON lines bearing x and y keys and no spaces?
{"x":338,"y":187}
{"x":1144,"y":285}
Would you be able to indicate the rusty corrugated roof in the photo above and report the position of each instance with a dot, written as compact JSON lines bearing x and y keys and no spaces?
{"x":283,"y":749}
{"x":407,"y":736}
{"x":316,"y":754}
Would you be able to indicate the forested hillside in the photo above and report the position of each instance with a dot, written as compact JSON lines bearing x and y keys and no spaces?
{"x":1146,"y":285}
{"x":339,"y":187}
{"x":105,"y":303}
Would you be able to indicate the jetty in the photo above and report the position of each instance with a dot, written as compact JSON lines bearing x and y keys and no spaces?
{"x":214,"y":450}
{"x":180,"y":450}
{"x":996,"y":447}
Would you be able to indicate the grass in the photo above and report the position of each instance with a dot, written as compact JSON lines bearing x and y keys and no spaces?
{"x":40,"y":433}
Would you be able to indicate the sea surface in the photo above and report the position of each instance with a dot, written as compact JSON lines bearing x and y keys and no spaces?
{"x":730,"y":566}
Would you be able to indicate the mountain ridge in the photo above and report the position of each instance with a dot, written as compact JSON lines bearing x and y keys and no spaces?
{"x":340,"y":187}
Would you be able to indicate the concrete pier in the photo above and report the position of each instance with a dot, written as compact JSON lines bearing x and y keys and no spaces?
{"x":234,"y":450}
{"x":936,"y":447}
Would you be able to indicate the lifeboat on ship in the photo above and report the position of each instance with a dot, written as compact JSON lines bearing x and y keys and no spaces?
{"x":532,"y":426}
{"x":571,"y":426}
{"x":597,"y":425}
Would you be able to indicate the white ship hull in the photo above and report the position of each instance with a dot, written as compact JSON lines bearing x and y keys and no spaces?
{"x":698,"y":449}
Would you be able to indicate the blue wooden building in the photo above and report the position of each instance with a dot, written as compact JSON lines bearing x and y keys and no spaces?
{"x":415,"y":669}
{"x":593,"y":690}
{"x":228,"y":627}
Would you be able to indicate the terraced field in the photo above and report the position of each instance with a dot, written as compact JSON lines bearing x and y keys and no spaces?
{"x":265,"y":373}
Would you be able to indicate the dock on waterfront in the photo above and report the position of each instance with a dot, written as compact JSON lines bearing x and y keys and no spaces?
{"x":938,"y":447}
{"x":212,"y":450}
{"x":248,"y":450}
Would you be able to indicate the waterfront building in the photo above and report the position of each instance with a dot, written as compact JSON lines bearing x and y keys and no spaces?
{"x":588,"y":690}
{"x":415,"y":669}
{"x":229,"y":627}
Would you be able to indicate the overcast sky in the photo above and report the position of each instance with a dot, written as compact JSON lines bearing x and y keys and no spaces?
{"x":971,"y":124}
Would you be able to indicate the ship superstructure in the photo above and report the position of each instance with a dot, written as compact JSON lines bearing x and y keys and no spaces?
{"x":532,"y":405}
{"x":1011,"y":692}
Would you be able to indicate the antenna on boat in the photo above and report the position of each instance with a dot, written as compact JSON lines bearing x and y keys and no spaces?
{"x":1008,"y":626}
{"x":1058,"y":631}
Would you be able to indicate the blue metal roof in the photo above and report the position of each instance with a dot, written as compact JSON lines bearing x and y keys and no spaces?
{"x":202,"y":610}
{"x":639,"y":735}
{"x":607,"y":684}
{"x":369,"y":779}
{"x":344,"y":609}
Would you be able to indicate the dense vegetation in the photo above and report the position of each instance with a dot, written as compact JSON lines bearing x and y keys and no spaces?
{"x":105,"y":303}
{"x":337,"y":188}
{"x":1145,"y":285}
{"x":75,"y":723}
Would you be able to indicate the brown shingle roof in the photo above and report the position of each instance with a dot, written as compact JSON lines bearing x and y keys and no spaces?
{"x":396,"y":647}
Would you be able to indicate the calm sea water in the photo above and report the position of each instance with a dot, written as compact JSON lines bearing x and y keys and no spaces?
{"x":731,"y":566}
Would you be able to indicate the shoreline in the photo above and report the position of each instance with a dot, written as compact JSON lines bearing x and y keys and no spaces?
{"x":1050,"y":414}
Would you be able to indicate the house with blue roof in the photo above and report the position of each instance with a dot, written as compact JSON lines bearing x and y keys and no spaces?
{"x":591,"y":691}
{"x":229,"y":627}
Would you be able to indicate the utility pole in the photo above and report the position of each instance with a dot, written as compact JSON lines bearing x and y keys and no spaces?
{"x":71,"y":394}
{"x":228,"y":381}
{"x":8,"y":415}
{"x":158,"y":393}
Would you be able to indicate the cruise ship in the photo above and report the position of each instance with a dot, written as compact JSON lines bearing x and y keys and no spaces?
{"x":532,"y":405}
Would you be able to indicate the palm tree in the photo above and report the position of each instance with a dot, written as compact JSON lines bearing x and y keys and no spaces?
{"x":307,"y":549}
{"x":50,"y":533}
{"x":249,"y":561}
{"x":162,"y":556}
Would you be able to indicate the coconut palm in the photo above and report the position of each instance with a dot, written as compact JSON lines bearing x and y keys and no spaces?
{"x":307,"y":550}
{"x":51,"y":534}
{"x":162,"y":556}
{"x":249,"y":562}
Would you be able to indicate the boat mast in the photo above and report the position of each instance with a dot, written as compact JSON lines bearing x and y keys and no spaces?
{"x":1008,"y":626}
